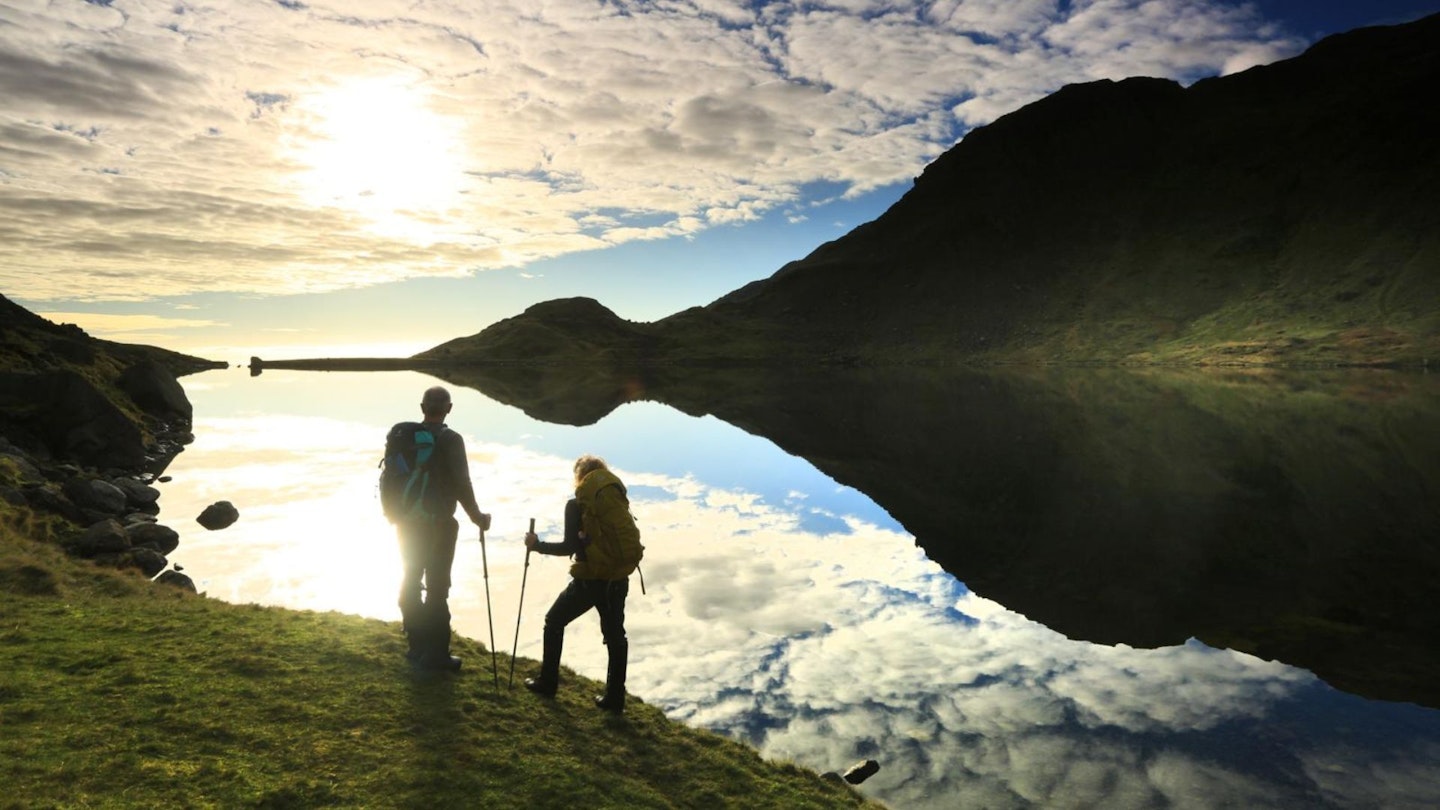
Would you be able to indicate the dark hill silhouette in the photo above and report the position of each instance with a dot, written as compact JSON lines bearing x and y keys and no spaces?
{"x":1286,"y":214}
{"x":70,"y":397}
{"x":569,"y":326}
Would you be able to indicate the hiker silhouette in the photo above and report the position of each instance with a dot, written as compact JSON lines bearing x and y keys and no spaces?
{"x":420,"y":496}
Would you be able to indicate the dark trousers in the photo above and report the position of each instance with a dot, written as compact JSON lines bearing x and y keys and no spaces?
{"x":607,"y":597}
{"x":428,"y":551}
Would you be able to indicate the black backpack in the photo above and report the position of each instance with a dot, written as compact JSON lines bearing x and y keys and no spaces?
{"x":407,"y":490}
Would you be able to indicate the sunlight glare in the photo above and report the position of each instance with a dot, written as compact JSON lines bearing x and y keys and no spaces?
{"x":376,"y":147}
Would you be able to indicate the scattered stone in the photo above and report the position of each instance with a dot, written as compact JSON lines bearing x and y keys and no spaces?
{"x":104,"y":537}
{"x":138,"y":517}
{"x":162,"y":539}
{"x":148,"y":560}
{"x":137,"y":494}
{"x":861,"y":771}
{"x":61,"y":472}
{"x":48,"y":498}
{"x":218,"y":515}
{"x":177,"y":579}
{"x":26,"y":469}
{"x":831,"y":776}
{"x":165,"y":479}
{"x":97,"y":495}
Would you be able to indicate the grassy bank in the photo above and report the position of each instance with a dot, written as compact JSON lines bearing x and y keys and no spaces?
{"x":119,"y":693}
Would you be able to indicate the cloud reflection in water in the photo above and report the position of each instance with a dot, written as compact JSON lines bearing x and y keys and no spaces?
{"x":816,"y":636}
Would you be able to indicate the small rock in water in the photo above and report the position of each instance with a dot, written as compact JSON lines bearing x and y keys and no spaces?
{"x":218,"y":515}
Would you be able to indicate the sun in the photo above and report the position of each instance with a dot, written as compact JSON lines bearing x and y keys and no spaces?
{"x":376,"y":147}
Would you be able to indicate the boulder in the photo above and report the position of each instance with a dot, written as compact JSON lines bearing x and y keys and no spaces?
{"x":162,"y":539}
{"x":25,"y":469}
{"x":49,"y":498}
{"x":218,"y":515}
{"x":148,"y":560}
{"x":152,"y":387}
{"x":139,"y":495}
{"x":96,"y":495}
{"x":104,"y":537}
{"x":861,"y":771}
{"x":177,"y":579}
{"x":61,"y":472}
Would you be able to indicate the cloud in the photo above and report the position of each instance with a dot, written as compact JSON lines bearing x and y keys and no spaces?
{"x":160,"y":148}
{"x":125,"y":327}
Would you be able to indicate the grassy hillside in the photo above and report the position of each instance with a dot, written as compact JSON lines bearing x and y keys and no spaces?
{"x":120,"y":693}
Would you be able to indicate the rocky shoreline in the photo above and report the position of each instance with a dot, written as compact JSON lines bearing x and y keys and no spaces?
{"x":87,"y":428}
{"x":116,"y":510}
{"x":108,"y":516}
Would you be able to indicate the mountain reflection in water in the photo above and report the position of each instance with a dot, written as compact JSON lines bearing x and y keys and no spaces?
{"x":793,"y":613}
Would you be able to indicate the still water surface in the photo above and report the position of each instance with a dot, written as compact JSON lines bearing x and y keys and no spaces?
{"x":783,"y":609}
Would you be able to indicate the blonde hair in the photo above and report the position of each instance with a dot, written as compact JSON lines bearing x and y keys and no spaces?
{"x":587,"y":464}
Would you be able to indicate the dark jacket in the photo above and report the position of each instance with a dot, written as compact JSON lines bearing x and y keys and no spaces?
{"x":450,"y":471}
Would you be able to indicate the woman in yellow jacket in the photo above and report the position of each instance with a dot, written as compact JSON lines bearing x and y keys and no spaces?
{"x":601,"y":534}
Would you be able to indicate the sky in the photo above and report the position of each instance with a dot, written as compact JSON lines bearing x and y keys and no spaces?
{"x":300,"y":179}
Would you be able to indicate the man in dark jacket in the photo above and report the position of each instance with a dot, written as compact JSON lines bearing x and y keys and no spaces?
{"x":427,"y":546}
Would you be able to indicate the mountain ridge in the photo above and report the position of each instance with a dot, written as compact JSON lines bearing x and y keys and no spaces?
{"x":1284,"y":215}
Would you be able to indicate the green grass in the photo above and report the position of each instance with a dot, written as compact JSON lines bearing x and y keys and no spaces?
{"x":119,"y":693}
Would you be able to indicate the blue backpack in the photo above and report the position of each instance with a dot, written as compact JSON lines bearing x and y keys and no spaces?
{"x":407,"y":492}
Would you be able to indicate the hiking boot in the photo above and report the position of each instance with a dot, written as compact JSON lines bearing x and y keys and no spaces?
{"x":610,"y":703}
{"x":438,"y":663}
{"x":541,"y":687}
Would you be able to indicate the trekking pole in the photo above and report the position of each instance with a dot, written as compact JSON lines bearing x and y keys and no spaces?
{"x":523,"y":574}
{"x":485,"y":566}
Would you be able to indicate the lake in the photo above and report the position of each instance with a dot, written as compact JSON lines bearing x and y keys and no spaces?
{"x":1011,"y":589}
